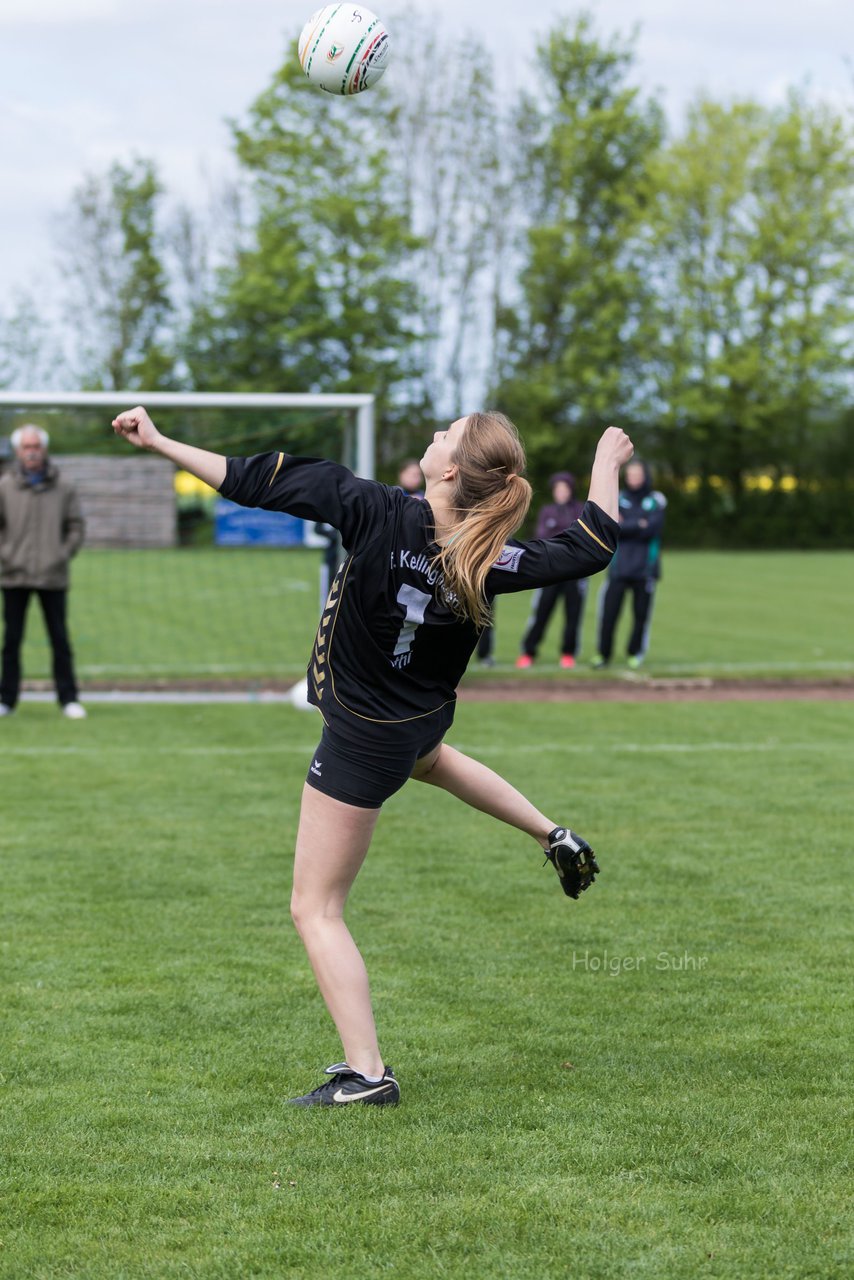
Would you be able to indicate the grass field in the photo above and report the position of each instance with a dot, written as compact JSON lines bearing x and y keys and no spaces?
{"x":251,"y":614}
{"x":652,"y":1082}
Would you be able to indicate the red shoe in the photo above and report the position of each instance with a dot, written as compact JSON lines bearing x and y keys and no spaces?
{"x":523,"y":662}
{"x":567,"y":662}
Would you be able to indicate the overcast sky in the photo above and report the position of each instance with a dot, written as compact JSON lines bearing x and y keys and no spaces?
{"x":85,"y":82}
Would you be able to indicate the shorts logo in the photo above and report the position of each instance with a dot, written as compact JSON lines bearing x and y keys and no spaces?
{"x":509,"y":559}
{"x":316,"y":768}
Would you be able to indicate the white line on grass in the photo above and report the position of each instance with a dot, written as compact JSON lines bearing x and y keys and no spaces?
{"x":284,"y":748}
{"x":169,"y":697}
{"x":701,"y":668}
{"x":583,"y":748}
{"x":186,"y":670}
{"x":711,"y":667}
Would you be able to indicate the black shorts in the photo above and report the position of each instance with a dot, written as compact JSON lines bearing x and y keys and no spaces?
{"x":363,"y":764}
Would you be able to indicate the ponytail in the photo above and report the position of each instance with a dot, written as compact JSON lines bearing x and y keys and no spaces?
{"x":490,"y":501}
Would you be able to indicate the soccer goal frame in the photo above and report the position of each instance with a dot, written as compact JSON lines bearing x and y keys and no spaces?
{"x":169,"y":617}
{"x":363,"y":406}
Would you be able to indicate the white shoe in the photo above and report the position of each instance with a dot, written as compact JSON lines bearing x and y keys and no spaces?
{"x":74,"y":711}
{"x":5,"y":710}
{"x":298,"y":697}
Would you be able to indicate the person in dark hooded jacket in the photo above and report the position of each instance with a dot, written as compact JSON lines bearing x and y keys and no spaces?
{"x":553,"y":519}
{"x":636,"y":567}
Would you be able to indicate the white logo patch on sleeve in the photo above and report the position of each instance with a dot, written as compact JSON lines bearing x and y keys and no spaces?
{"x":509,"y":559}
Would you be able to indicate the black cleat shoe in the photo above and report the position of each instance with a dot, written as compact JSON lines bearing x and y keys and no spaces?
{"x":573,"y":860}
{"x":348,"y":1086}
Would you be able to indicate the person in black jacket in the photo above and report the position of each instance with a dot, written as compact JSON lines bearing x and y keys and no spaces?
{"x":635,"y":568}
{"x":400,"y":624}
{"x":410,"y":479}
{"x":553,"y":519}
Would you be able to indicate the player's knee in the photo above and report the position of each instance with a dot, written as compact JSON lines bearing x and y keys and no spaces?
{"x":311,"y":914}
{"x":300,"y":913}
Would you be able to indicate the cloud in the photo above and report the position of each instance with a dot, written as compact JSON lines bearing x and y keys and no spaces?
{"x":39,"y":12}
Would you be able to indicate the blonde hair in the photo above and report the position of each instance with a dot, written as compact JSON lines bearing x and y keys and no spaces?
{"x":490,"y":500}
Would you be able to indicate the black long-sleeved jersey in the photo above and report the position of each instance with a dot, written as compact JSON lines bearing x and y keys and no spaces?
{"x":389,"y":648}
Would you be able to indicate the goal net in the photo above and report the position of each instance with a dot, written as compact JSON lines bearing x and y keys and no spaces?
{"x":174,"y":587}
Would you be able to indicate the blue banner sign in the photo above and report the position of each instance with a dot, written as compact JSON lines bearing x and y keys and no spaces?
{"x":236,"y":526}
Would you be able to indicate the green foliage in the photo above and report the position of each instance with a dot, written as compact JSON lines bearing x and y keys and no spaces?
{"x":575,"y":341}
{"x":558,"y":1119}
{"x":29,"y":355}
{"x":317,"y":299}
{"x":433,"y":239}
{"x":754,"y":231}
{"x":119,"y":291}
{"x":803,"y":519}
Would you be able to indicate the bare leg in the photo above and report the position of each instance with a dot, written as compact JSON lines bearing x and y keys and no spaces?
{"x":332,"y":842}
{"x":483,"y":789}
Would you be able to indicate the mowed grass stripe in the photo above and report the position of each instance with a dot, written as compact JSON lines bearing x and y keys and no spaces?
{"x":472,"y":748}
{"x":658,"y":1118}
{"x":173,"y":613}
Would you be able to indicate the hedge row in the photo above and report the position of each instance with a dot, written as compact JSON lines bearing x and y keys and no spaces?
{"x":794,"y":521}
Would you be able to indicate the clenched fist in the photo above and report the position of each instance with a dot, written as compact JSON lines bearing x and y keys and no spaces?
{"x":614,"y":447}
{"x":136,"y":427}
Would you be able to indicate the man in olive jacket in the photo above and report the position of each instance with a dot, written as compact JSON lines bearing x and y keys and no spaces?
{"x":41,"y":528}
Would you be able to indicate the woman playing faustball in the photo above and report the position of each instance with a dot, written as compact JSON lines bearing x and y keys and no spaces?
{"x":402,"y":620}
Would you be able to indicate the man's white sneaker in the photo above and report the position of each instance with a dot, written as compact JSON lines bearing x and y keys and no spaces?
{"x":5,"y":710}
{"x":74,"y":711}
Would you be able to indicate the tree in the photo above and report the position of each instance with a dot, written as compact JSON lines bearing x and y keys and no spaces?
{"x":754,"y":240}
{"x":450,"y":152}
{"x":805,"y":257}
{"x":702,"y":253}
{"x":318,"y":299}
{"x":117,"y":302}
{"x":30,"y":358}
{"x":202,"y":244}
{"x":575,"y":342}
